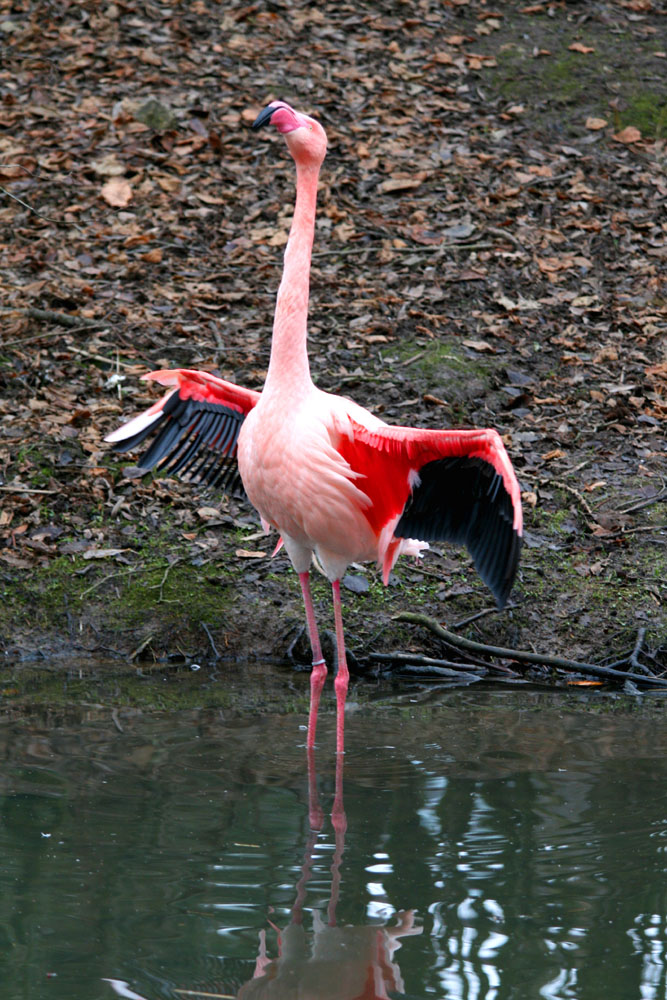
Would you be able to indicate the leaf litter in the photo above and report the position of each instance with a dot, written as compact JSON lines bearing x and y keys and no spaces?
{"x":499,"y":257}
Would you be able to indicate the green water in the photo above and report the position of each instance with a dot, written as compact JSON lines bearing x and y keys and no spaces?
{"x":499,"y":846}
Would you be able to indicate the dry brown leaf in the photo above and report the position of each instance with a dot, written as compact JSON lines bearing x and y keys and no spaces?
{"x":628,"y":135}
{"x":248,"y":554}
{"x":206,"y":513}
{"x":556,"y":453}
{"x":108,"y":166}
{"x":405,"y":183}
{"x":343,"y":232}
{"x":479,"y":345}
{"x":595,"y":124}
{"x":153,"y":256}
{"x":209,"y":199}
{"x":580,"y":47}
{"x":117,"y":192}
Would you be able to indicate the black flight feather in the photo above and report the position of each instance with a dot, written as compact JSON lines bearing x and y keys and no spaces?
{"x":193,"y":438}
{"x":464,"y":500}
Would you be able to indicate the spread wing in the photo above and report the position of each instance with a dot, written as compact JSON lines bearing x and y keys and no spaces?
{"x":447,"y":485}
{"x":195,"y":426}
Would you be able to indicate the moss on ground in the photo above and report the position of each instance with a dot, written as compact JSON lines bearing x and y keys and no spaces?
{"x":567,"y":85}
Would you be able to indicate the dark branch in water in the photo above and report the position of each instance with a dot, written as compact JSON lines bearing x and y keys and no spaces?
{"x":425,"y":665}
{"x":527,"y":656}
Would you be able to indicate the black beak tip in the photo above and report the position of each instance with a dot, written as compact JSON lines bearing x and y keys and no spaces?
{"x":263,"y":118}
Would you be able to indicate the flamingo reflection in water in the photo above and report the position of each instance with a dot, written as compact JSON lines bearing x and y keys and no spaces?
{"x":333,"y":962}
{"x":336,"y":962}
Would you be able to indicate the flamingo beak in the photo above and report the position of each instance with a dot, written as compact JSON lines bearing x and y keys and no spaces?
{"x":280,"y":114}
{"x":264,"y":117}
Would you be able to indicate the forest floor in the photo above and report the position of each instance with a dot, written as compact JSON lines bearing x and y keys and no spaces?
{"x":490,"y":251}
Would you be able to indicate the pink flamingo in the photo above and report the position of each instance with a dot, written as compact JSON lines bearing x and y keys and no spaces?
{"x":333,"y":479}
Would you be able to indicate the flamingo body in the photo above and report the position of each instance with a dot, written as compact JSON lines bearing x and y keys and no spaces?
{"x":332,"y":478}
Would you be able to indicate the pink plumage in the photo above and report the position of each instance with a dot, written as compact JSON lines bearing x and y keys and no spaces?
{"x":332,"y":478}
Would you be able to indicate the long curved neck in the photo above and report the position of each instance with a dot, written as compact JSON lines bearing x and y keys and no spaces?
{"x":288,"y":366}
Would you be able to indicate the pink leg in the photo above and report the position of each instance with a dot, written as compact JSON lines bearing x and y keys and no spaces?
{"x":319,"y":673}
{"x":343,"y":675}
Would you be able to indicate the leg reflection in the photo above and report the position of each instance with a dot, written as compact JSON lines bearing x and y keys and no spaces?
{"x":331,"y":962}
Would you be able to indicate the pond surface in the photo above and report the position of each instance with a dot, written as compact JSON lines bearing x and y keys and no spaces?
{"x":484,"y":845}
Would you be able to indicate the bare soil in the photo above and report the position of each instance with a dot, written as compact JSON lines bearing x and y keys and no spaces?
{"x":490,"y":252}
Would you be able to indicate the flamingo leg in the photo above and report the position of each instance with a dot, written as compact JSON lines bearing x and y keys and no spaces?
{"x":319,"y":672}
{"x":343,"y":674}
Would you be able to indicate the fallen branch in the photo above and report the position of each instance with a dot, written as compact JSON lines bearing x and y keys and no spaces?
{"x":63,"y":319}
{"x":428,"y":664}
{"x":524,"y":655}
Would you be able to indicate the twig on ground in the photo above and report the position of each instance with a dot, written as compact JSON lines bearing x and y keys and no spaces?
{"x":662,"y":495}
{"x":633,"y":659}
{"x":210,"y":639}
{"x":559,"y":484}
{"x":141,"y":647}
{"x":481,"y":614}
{"x":160,"y":586}
{"x":526,"y":656}
{"x":105,"y":579}
{"x":25,"y":489}
{"x":63,"y":319}
{"x":34,"y":211}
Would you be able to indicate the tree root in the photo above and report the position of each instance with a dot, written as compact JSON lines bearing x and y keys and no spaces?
{"x":527,"y":656}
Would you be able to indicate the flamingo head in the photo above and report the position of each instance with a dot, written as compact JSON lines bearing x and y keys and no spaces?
{"x":305,"y":137}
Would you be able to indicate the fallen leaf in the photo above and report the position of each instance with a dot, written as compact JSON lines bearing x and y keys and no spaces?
{"x":595,"y":124}
{"x":248,"y":554}
{"x":600,"y":531}
{"x":206,"y":513}
{"x":595,"y":486}
{"x":153,"y":256}
{"x":108,"y":166}
{"x":628,"y":135}
{"x":556,"y":453}
{"x":479,"y":345}
{"x":209,"y":199}
{"x":460,"y":231}
{"x":407,"y":183}
{"x":580,"y":47}
{"x":117,"y":192}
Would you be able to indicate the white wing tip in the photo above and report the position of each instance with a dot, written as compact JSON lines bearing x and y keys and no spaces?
{"x":133,"y":426}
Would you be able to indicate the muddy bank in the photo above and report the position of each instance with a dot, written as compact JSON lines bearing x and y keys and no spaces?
{"x":489,"y":253}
